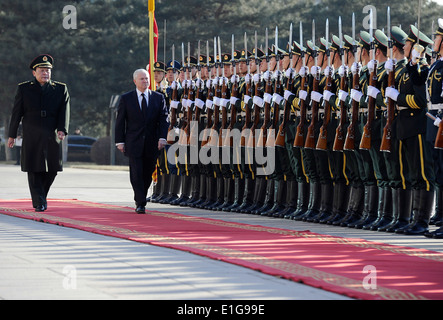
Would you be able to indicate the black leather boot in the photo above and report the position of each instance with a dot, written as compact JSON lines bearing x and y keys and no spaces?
{"x":355,"y":207}
{"x":156,"y":190}
{"x":437,"y":217}
{"x":384,"y":210}
{"x":314,"y":202}
{"x":269,"y":197}
{"x":420,"y":223}
{"x":202,"y":192}
{"x":248,"y":195}
{"x":219,"y":194}
{"x":211,"y":188}
{"x":228,"y":194}
{"x":302,"y":201}
{"x":239,"y":185}
{"x":326,"y":203}
{"x":259,"y":195}
{"x":370,"y":211}
{"x":164,"y":192}
{"x":279,"y":195}
{"x":339,"y":204}
{"x":185,"y":190}
{"x":174,"y":189}
{"x":291,"y":199}
{"x":401,"y":210}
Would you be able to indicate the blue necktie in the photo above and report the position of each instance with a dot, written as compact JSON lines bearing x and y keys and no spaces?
{"x":144,"y":105}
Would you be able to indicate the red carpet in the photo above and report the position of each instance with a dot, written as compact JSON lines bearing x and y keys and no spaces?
{"x":331,"y":263}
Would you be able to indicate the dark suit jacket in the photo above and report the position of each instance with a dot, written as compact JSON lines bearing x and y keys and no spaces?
{"x":138,"y":130}
{"x":43,"y":111}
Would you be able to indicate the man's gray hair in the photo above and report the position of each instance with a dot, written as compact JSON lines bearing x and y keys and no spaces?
{"x":136,"y":72}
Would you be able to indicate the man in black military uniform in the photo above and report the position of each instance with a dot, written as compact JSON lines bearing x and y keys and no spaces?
{"x":411,"y":131}
{"x":435,"y":107}
{"x":43,"y":107}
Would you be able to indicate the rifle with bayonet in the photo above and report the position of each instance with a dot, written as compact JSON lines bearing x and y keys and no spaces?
{"x":280,"y":139}
{"x":350,"y":136}
{"x":390,"y":111}
{"x":340,"y":131}
{"x":191,"y":98}
{"x":278,"y":92}
{"x":323,"y":135}
{"x":198,"y":96}
{"x":224,"y":99}
{"x":213,"y":139}
{"x":310,"y":136}
{"x":299,"y":135}
{"x":249,"y":92}
{"x":210,"y":96}
{"x":365,"y":143}
{"x":182,"y":140}
{"x":262,"y":138}
{"x":174,"y":103}
{"x":234,"y":93}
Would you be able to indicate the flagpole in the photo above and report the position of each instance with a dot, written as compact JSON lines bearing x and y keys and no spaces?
{"x":151,"y":7}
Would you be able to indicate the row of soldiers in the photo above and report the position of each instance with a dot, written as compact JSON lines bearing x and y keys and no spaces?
{"x":357,"y":132}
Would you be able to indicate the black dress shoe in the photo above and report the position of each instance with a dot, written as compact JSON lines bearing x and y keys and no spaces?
{"x":140,"y":209}
{"x":40,"y":208}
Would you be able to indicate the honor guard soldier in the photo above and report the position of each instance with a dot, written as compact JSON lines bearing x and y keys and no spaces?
{"x":411,"y":131}
{"x":434,"y":133}
{"x":42,"y":105}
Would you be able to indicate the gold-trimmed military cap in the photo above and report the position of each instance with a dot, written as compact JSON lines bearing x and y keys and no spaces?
{"x":260,"y":53}
{"x":192,"y":61}
{"x":173,"y":65}
{"x":365,"y":40}
{"x":296,"y":48}
{"x":415,"y":34}
{"x":159,"y":66}
{"x":42,"y":61}
{"x":348,"y":42}
{"x":398,"y":36}
{"x":380,"y":39}
{"x":335,"y":45}
{"x":226,"y":58}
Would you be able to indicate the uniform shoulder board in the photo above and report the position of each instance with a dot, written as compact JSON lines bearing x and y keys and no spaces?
{"x":58,"y":82}
{"x":25,"y":82}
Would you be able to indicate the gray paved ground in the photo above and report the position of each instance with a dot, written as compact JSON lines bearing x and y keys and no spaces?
{"x":43,"y":261}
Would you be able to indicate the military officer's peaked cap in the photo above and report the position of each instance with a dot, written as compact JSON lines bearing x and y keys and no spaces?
{"x":237,"y":55}
{"x":192,"y":61}
{"x":348,"y":43}
{"x":323,"y":45}
{"x":335,"y":43}
{"x":365,"y":40}
{"x":42,"y":61}
{"x":415,"y":34}
{"x":296,"y":48}
{"x":243,"y":55}
{"x":159,"y":66}
{"x":440,"y":27}
{"x":226,"y":58}
{"x":381,"y":40}
{"x":310,"y":48}
{"x":173,"y":65}
{"x":398,"y":36}
{"x":260,"y":53}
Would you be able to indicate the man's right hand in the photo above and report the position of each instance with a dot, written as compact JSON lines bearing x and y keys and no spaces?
{"x":121,"y":147}
{"x":11,"y":142}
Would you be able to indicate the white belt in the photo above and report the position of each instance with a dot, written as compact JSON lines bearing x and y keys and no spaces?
{"x":435,"y":106}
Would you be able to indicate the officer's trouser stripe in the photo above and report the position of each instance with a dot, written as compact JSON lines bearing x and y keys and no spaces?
{"x":400,"y":158}
{"x":422,"y":162}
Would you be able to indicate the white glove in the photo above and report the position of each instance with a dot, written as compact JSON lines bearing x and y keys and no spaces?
{"x":315,"y":70}
{"x":174,"y":85}
{"x":234,"y":78}
{"x":277,"y":98}
{"x":355,"y":67}
{"x":277,"y":74}
{"x":246,"y":98}
{"x":389,"y":65}
{"x":327,"y":95}
{"x":208,"y":83}
{"x":256,"y":78}
{"x":198,"y":83}
{"x":289,"y":73}
{"x":342,"y":71}
{"x":371,"y":65}
{"x":184,"y":82}
{"x":288,"y":94}
{"x":267,"y":75}
{"x":373,"y":91}
{"x":437,"y":121}
{"x":329,"y":71}
{"x":415,"y":55}
{"x":316,"y":96}
{"x":303,"y":94}
{"x":247,"y":78}
{"x":342,"y":95}
{"x":356,"y":95}
{"x":303,"y":71}
{"x":392,"y":93}
{"x":267,"y":97}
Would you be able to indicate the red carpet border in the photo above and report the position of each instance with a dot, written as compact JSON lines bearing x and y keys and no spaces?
{"x":331,"y":263}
